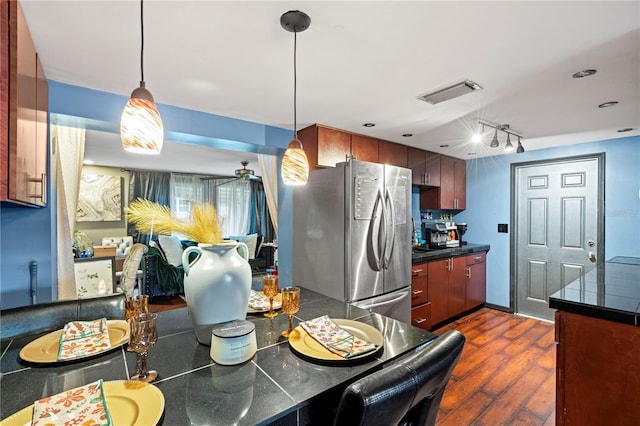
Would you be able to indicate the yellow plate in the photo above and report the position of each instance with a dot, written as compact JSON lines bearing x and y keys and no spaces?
{"x":45,"y":349}
{"x":277,"y":304}
{"x":128,"y":401}
{"x":302,"y":343}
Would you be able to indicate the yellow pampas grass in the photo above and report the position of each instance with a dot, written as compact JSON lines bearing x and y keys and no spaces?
{"x":152,"y":217}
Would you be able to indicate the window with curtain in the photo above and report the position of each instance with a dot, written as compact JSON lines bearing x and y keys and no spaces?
{"x":231,"y":198}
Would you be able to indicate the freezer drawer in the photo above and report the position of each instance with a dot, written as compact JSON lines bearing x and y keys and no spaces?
{"x":396,"y":305}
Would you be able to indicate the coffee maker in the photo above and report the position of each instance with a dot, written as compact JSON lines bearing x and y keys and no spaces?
{"x":440,"y":235}
{"x":462,"y":228}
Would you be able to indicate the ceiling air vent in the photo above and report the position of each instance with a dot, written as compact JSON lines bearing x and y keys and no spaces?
{"x":450,"y":92}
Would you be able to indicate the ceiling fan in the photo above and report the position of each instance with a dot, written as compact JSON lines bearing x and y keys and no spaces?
{"x":246,"y":174}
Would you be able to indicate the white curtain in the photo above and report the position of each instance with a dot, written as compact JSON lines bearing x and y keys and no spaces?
{"x":231,"y":198}
{"x":233,"y":202}
{"x":69,"y":143}
{"x":269,"y":172}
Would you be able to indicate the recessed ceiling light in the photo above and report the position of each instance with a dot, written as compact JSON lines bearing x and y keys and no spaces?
{"x":584,"y":73}
{"x":87,"y":161}
{"x":608,"y":104}
{"x":369,"y":124}
{"x":626,"y":129}
{"x":444,"y":146}
{"x":407,"y":135}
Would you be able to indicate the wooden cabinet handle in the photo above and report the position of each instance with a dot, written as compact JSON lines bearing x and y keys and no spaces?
{"x":468,"y":274}
{"x":419,"y":320}
{"x":416,"y":271}
{"x":42,"y":181}
{"x":416,"y":292}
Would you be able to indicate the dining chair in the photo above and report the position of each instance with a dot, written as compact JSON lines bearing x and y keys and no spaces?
{"x":406,"y":392}
{"x":129,"y":276}
{"x":51,"y":316}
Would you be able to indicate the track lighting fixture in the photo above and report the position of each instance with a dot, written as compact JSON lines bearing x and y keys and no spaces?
{"x":295,"y":165}
{"x":141,"y":129}
{"x":505,"y":128}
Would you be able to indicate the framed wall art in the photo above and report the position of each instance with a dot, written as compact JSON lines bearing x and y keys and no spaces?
{"x":99,"y":199}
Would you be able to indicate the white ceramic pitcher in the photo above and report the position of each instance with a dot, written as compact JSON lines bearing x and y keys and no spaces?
{"x":217,"y":285}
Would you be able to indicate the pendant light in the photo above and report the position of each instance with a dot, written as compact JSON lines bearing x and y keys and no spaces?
{"x":520,"y":148}
{"x":295,"y":166}
{"x":141,"y":128}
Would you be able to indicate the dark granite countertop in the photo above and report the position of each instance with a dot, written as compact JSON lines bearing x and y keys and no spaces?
{"x":613,"y":293}
{"x":275,"y":386}
{"x":420,"y":256}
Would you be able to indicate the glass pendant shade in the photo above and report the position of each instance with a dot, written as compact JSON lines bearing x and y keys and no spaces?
{"x":295,"y":166}
{"x":141,"y":129}
{"x":509,"y":146}
{"x":494,"y":142}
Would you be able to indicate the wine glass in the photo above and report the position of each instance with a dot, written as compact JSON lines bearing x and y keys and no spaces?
{"x":143,"y":337}
{"x":135,"y":305}
{"x":290,"y":305}
{"x":270,"y":289}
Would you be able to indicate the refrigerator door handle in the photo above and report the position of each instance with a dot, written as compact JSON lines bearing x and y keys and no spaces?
{"x":391,"y":230}
{"x":382,"y":303}
{"x":377,"y":240}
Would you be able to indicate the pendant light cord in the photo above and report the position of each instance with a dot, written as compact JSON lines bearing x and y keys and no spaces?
{"x":295,"y":108}
{"x":141,"y":43}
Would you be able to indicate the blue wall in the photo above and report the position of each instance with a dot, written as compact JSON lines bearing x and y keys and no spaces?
{"x":488,"y":203}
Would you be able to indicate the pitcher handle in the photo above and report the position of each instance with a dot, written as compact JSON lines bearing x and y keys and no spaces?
{"x":185,"y":258}
{"x":244,"y":252}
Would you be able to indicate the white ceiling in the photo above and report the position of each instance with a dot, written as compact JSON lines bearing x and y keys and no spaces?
{"x":364,"y":61}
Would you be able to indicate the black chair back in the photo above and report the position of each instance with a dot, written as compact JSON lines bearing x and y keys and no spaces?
{"x":51,"y":316}
{"x":407,"y":392}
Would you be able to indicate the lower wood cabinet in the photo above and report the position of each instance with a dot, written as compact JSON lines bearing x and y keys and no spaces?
{"x":475,"y":280}
{"x":598,"y":371}
{"x":421,"y":316}
{"x":420,"y":306}
{"x":453,"y":285}
{"x":447,"y":287}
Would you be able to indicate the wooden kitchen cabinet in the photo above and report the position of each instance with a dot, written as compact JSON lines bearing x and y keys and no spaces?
{"x":326,"y":146}
{"x":24,"y":113}
{"x":597,"y":371}
{"x":475,"y":280}
{"x":364,"y":148}
{"x":420,"y":306}
{"x":447,"y":287}
{"x":425,"y":167}
{"x":452,"y":192}
{"x":392,"y":153}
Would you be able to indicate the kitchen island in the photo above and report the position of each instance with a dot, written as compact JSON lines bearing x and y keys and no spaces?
{"x":598,"y":352}
{"x":275,"y":386}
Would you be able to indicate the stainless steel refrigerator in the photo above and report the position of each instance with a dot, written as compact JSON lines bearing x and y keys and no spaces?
{"x":352,"y":236}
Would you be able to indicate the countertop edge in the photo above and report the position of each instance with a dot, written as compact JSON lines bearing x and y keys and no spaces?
{"x":599,"y":312}
{"x":420,"y":257}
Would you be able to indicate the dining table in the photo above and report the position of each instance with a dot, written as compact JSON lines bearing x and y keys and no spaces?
{"x":278,"y":385}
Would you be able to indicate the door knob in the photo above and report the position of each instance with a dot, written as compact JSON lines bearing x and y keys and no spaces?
{"x":592,"y":257}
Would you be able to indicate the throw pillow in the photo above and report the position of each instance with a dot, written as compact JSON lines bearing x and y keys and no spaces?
{"x":250,"y":240}
{"x":172,"y":249}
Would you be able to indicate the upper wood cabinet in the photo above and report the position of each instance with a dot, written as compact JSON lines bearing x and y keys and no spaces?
{"x":24,"y":113}
{"x":364,"y":148}
{"x":452,"y":193}
{"x":326,"y":146}
{"x":392,"y":153}
{"x":425,"y":166}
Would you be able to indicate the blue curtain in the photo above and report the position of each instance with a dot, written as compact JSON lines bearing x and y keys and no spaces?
{"x":152,"y":186}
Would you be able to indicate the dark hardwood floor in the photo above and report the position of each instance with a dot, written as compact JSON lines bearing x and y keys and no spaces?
{"x":506,"y":374}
